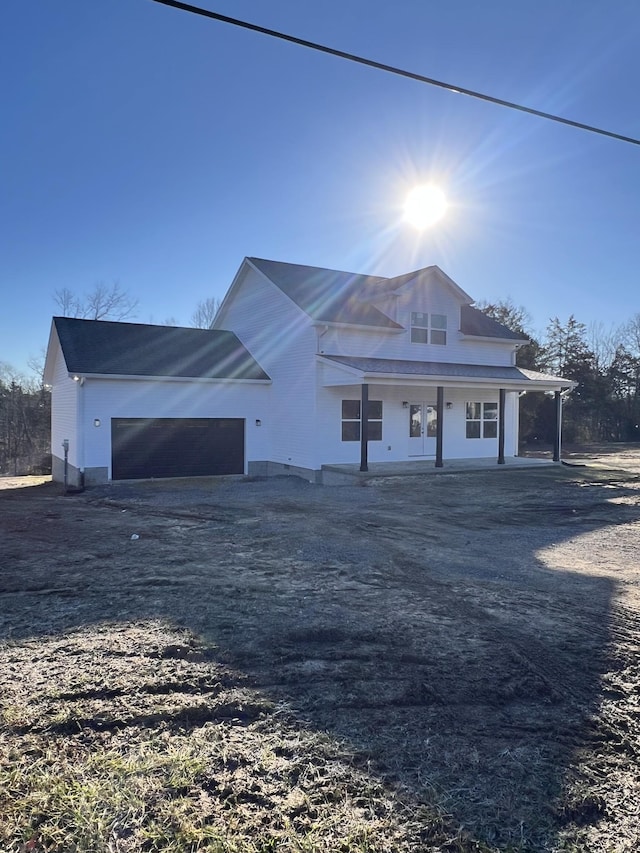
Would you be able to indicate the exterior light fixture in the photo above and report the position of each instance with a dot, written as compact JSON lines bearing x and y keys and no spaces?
{"x":96,"y":422}
{"x":258,"y":422}
{"x":449,"y":405}
{"x":405,"y":404}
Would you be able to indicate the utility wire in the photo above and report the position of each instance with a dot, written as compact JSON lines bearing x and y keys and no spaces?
{"x":392,"y":69}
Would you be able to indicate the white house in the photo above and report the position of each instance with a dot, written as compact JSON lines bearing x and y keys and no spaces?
{"x":303,"y":368}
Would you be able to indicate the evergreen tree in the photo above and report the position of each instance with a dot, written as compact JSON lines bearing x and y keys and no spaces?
{"x":566,"y":353}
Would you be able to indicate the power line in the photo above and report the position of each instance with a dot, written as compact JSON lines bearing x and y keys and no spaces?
{"x":392,"y":69}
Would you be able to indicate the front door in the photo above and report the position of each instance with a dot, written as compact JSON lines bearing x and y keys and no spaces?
{"x":423,"y":426}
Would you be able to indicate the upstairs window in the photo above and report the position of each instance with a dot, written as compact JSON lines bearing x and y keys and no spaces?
{"x":482,"y":420}
{"x":351,"y":420}
{"x":428,"y":328}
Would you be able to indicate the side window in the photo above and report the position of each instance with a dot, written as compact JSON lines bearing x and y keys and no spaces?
{"x":419,"y":328}
{"x":428,"y":328}
{"x":351,"y":420}
{"x":439,"y":329}
{"x":482,"y":420}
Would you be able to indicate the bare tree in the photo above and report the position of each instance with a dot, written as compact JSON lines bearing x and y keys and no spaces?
{"x":67,"y":302}
{"x":103,"y":302}
{"x":24,"y":423}
{"x":204,"y":315}
{"x":35,"y":363}
{"x":505,"y":311}
{"x":631,"y":335}
{"x":603,"y":342}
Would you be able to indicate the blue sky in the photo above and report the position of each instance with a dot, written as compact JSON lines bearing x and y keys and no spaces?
{"x":147,"y":146}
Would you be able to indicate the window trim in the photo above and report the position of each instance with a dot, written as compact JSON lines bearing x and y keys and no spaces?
{"x":486,"y":422}
{"x":428,"y":328}
{"x":373,"y":422}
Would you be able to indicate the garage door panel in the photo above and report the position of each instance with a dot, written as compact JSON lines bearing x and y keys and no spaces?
{"x":176,"y":447}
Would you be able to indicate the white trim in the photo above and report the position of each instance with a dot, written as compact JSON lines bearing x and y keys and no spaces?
{"x":209,"y":380}
{"x":333,"y":325}
{"x":480,"y":338}
{"x":436,"y":379}
{"x":433,"y":270}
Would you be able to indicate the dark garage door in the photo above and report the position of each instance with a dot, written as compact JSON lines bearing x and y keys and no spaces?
{"x":176,"y":447}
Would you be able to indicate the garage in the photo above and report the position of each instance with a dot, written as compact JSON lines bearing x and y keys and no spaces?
{"x":142,"y":448}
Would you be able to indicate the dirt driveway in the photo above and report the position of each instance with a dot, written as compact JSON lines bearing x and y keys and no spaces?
{"x":473,"y":638}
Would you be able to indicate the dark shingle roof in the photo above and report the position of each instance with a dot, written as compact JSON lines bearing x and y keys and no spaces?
{"x":328,"y":296}
{"x":332,"y":296}
{"x":134,"y":349}
{"x":476,"y":322}
{"x":443,"y":368}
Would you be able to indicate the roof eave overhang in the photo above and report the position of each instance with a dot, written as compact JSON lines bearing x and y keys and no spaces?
{"x":355,"y":375}
{"x":139,"y":377}
{"x":519,"y":342}
{"x":360,"y":326}
{"x":460,"y":381}
{"x":53,"y":345}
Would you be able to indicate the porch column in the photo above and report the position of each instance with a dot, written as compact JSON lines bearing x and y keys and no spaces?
{"x":501,"y":414}
{"x":439,"y":425}
{"x":558,"y":433}
{"x":364,"y":428}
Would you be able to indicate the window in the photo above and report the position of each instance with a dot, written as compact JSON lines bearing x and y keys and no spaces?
{"x":351,"y":420}
{"x":482,"y":420}
{"x":428,"y":328}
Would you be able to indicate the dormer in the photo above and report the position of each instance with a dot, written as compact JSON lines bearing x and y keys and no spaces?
{"x":427,"y":303}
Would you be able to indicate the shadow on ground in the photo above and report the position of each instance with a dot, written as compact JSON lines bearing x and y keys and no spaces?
{"x":470,"y":636}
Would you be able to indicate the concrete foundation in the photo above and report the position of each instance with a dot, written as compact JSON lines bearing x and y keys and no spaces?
{"x":281,"y":469}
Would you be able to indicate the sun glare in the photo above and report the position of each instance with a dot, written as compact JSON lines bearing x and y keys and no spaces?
{"x":425,"y":205}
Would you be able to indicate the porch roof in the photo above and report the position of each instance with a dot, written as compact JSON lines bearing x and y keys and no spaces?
{"x":390,"y":370}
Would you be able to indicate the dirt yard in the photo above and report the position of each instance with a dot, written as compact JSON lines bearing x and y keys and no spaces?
{"x":447,"y":662}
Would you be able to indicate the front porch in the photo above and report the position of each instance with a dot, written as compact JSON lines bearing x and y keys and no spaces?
{"x":350,"y":474}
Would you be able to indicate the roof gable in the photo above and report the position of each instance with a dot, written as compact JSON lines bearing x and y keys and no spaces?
{"x":427,"y":275}
{"x":328,"y":296}
{"x":334,"y":296}
{"x":106,"y":348}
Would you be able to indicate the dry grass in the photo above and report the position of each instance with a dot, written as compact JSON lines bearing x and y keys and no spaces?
{"x":283,"y":668}
{"x":159,"y":748}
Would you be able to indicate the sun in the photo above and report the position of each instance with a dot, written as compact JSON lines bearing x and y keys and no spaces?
{"x":425,"y":205}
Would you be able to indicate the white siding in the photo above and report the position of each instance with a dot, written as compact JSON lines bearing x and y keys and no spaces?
{"x":64,"y":411}
{"x":368,"y":343}
{"x":305,"y":418}
{"x":282,"y":339}
{"x":434,"y":298}
{"x":120,"y":398}
{"x":395,"y":423}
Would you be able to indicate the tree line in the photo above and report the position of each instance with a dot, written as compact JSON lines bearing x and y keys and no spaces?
{"x":605,"y":364}
{"x":25,"y":423}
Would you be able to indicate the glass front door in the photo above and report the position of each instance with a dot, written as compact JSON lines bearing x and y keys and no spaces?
{"x":423,"y":426}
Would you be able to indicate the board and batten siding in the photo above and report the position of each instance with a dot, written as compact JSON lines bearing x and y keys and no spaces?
{"x":142,"y":398}
{"x":283,"y":341}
